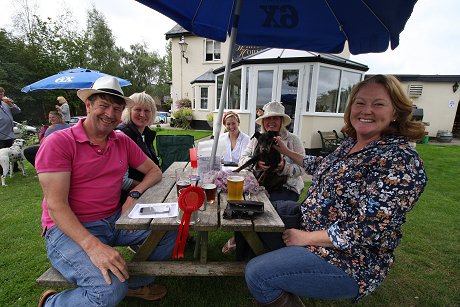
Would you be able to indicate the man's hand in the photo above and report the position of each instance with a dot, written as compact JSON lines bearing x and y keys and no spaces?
{"x":129,"y":203}
{"x":108,"y":259}
{"x":8,"y":101}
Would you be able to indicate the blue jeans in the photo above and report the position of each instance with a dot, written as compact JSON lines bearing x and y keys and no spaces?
{"x":295,"y":270}
{"x":74,"y":264}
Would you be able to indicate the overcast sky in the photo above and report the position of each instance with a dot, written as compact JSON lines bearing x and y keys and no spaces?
{"x":428,"y":45}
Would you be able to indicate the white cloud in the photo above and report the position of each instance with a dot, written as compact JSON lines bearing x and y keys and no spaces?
{"x":428,"y":44}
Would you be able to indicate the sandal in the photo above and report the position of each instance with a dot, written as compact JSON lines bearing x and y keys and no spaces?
{"x":230,"y":246}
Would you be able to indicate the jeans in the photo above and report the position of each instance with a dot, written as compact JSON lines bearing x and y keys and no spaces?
{"x":74,"y":264}
{"x":283,"y":194}
{"x":296,"y":270}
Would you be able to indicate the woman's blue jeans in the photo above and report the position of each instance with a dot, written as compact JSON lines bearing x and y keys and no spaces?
{"x":74,"y":264}
{"x":296,"y":270}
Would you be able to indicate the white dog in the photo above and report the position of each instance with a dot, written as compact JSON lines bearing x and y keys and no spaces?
{"x":10,"y":155}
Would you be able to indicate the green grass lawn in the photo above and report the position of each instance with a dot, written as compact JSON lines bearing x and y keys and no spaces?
{"x":426,"y":271}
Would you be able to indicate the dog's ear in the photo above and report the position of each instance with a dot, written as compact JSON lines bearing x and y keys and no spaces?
{"x":256,"y":135}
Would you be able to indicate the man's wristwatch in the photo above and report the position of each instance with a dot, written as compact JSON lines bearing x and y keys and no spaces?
{"x":135,"y":194}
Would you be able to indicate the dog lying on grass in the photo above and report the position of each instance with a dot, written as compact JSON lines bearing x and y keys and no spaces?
{"x":8,"y":156}
{"x":266,"y":153}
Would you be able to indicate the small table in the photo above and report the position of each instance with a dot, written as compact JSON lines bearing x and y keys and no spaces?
{"x":210,"y":220}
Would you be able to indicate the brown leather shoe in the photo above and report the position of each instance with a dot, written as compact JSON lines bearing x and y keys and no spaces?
{"x":152,"y":292}
{"x":45,"y":295}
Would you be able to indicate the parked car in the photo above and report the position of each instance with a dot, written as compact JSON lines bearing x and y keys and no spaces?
{"x":161,"y":118}
{"x":75,"y":119}
{"x":19,"y":129}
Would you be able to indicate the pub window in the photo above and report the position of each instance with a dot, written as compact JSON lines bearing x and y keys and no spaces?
{"x":212,"y":50}
{"x":204,"y":98}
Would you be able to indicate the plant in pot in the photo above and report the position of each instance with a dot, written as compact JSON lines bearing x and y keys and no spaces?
{"x":187,"y":113}
{"x":210,"y":119}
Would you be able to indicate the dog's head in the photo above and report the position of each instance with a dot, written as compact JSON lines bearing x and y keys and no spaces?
{"x":19,"y":142}
{"x":266,"y":140}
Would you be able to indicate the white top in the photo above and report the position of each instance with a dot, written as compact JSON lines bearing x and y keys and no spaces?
{"x":241,"y":143}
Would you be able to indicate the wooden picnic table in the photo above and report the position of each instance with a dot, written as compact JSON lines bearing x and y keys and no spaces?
{"x":210,"y":220}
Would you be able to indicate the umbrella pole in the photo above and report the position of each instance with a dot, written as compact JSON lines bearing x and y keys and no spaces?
{"x":223,"y":94}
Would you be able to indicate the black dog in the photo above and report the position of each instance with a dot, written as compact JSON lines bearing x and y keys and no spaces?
{"x":266,"y":153}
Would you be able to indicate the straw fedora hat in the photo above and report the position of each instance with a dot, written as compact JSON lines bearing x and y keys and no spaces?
{"x":104,"y":85}
{"x":274,"y":108}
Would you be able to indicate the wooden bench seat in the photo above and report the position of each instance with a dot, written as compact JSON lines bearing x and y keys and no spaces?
{"x":159,"y":268}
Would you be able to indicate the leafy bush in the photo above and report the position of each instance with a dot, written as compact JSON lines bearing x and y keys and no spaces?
{"x":187,"y":112}
{"x":183,"y":103}
{"x":210,"y":117}
{"x":180,"y":119}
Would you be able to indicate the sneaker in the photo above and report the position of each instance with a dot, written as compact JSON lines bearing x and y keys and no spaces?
{"x":152,"y":292}
{"x":45,"y":295}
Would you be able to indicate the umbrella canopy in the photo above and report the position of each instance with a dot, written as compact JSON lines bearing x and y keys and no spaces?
{"x":312,"y":25}
{"x":71,"y":79}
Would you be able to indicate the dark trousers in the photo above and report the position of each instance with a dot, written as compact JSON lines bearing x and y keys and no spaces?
{"x":30,"y":153}
{"x":289,"y":212}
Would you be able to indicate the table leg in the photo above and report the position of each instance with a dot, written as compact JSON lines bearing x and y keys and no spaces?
{"x":149,"y":245}
{"x":201,"y":247}
{"x":254,"y":242}
{"x":204,"y":247}
{"x":196,"y":251}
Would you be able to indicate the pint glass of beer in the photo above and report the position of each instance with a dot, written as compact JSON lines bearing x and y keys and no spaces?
{"x":210,"y":189}
{"x":235,"y":185}
{"x":182,"y":180}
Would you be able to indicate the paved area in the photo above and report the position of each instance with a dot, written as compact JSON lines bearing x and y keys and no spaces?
{"x":454,"y":142}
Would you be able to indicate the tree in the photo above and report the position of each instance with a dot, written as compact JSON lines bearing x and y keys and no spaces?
{"x":103,"y":55}
{"x":141,"y":67}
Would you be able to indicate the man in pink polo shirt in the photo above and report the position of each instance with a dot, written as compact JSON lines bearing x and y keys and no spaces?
{"x":80,"y":170}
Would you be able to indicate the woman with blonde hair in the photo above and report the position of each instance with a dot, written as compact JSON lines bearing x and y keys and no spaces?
{"x":136,"y":119}
{"x":63,"y":108}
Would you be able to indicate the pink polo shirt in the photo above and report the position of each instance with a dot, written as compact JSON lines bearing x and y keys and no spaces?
{"x":96,"y":174}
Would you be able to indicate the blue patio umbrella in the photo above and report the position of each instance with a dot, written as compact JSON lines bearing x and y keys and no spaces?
{"x":312,"y":25}
{"x":71,"y":79}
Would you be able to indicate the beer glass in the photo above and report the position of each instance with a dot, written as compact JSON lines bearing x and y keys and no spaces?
{"x":235,"y":185}
{"x":182,"y":180}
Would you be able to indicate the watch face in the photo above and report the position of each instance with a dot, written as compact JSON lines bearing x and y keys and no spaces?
{"x":135,"y":194}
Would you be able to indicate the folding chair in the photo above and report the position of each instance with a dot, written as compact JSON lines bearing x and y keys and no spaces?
{"x":329,"y":142}
{"x":173,"y":148}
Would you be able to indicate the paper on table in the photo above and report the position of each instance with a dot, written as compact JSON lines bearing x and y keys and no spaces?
{"x":159,"y":207}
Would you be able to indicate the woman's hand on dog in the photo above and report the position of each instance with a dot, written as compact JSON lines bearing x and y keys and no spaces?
{"x":281,"y":146}
{"x":262,"y":166}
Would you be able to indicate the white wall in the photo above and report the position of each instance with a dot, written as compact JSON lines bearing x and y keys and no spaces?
{"x":435,"y":100}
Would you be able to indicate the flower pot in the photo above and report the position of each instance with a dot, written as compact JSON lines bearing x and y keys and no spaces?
{"x":188,"y":117}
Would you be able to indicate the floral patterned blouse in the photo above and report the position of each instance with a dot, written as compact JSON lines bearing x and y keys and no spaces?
{"x":361,"y":199}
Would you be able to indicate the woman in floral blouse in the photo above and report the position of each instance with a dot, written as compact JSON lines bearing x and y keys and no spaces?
{"x":351,"y":220}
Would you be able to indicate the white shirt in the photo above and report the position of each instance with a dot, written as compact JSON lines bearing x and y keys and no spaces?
{"x":241,"y":143}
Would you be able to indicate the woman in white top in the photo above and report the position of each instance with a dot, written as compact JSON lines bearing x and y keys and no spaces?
{"x":235,"y":141}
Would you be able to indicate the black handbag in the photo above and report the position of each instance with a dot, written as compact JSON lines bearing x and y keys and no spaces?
{"x":243,"y":209}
